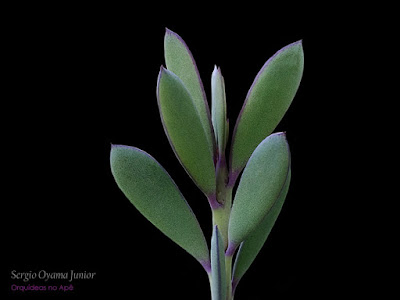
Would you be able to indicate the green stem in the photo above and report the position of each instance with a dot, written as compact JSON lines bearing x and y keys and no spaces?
{"x":220,"y":218}
{"x":228,"y":266}
{"x":221,"y":215}
{"x":210,"y":281}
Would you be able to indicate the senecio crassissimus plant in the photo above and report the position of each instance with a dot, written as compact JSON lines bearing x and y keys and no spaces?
{"x":198,"y":138}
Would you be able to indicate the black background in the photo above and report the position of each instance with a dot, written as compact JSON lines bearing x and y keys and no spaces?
{"x":83,"y":78}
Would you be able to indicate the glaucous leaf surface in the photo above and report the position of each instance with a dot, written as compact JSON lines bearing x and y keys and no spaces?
{"x":152,"y":191}
{"x":179,"y":60}
{"x":260,"y":186}
{"x":218,"y":274}
{"x":218,"y":109}
{"x":266,"y":102}
{"x":185,"y":131}
{"x":252,"y":245}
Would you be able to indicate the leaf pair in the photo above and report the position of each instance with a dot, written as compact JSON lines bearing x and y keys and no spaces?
{"x":185,"y":113}
{"x":266,"y":177}
{"x":266,"y":103}
{"x":257,"y":202}
{"x":259,"y":198}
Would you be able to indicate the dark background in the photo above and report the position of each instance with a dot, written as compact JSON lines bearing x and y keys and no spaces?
{"x":83,"y":78}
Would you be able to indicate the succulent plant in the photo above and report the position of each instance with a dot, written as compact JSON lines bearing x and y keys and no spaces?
{"x":199,"y":139}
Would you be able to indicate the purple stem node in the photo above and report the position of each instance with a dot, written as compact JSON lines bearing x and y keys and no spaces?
{"x":231,"y":249}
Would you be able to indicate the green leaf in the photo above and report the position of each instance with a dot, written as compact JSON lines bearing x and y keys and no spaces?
{"x":218,"y":273}
{"x":266,"y":102}
{"x":218,"y":109}
{"x":259,"y":187}
{"x":252,"y":245}
{"x":180,"y":61}
{"x":152,"y":191}
{"x":184,"y":130}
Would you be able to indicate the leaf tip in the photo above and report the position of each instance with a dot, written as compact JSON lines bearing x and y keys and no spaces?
{"x":162,"y":69}
{"x":277,"y":135}
{"x":117,"y":146}
{"x":281,"y":133}
{"x":160,"y":74}
{"x":169,"y":32}
{"x":114,"y":146}
{"x":298,"y":44}
{"x":217,"y":70}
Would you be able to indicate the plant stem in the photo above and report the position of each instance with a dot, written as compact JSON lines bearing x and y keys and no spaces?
{"x":210,"y":281}
{"x":220,"y":218}
{"x":221,"y":215}
{"x":228,"y":266}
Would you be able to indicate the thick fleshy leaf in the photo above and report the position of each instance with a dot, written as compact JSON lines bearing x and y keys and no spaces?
{"x":152,"y":191}
{"x":252,"y":245}
{"x":266,"y":102}
{"x":218,"y":109}
{"x":218,"y":273}
{"x":185,"y":131}
{"x":180,"y":61}
{"x":259,"y":187}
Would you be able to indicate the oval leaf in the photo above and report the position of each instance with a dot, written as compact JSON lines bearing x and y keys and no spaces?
{"x":218,"y":109}
{"x":152,"y":191}
{"x":259,"y":187}
{"x":184,"y":130}
{"x":218,"y":273}
{"x":180,"y":61}
{"x":252,"y":245}
{"x":266,"y":102}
